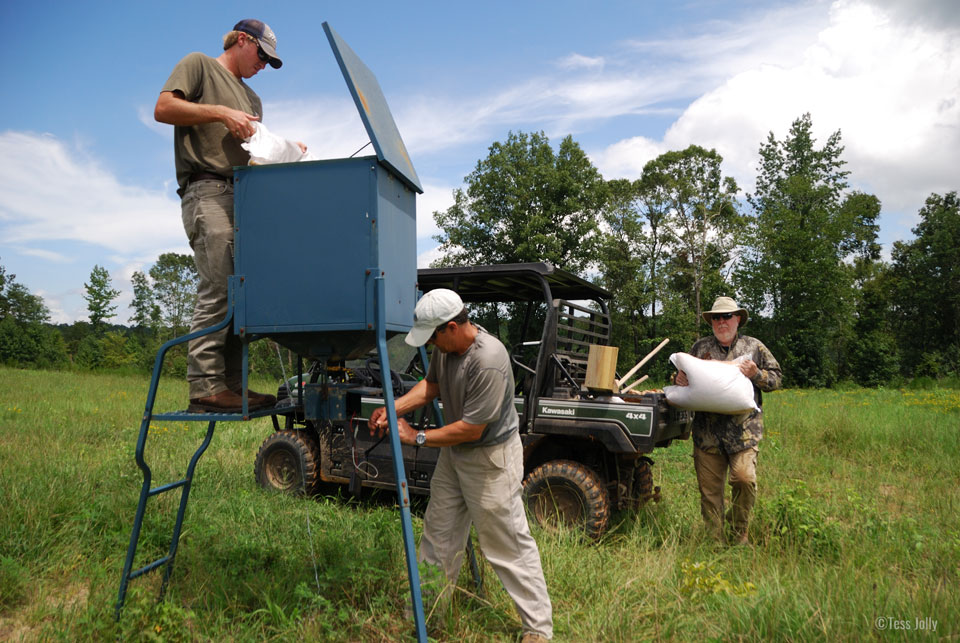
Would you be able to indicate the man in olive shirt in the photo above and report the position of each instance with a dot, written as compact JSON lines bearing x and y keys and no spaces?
{"x":478,"y":475}
{"x":213,"y":110}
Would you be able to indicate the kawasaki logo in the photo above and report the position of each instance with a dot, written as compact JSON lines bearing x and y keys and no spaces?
{"x":546,"y":410}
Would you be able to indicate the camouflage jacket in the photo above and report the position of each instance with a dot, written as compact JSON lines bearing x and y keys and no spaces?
{"x":715,"y":432}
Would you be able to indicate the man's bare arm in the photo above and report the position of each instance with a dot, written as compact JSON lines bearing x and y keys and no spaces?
{"x":422,"y":393}
{"x":172,"y":108}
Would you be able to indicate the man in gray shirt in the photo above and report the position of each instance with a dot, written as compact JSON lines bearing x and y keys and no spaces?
{"x":479,"y":472}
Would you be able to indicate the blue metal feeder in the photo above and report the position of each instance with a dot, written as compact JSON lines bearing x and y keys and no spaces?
{"x":325,"y":264}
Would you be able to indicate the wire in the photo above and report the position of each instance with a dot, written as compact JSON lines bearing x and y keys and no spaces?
{"x":375,"y":473}
{"x":358,"y":151}
{"x":313,"y":553}
{"x":283,"y":371}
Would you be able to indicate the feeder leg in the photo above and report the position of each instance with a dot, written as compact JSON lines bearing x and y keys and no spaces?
{"x":403,"y":491}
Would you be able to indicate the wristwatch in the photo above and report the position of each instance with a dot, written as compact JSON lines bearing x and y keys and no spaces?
{"x":421,"y":438}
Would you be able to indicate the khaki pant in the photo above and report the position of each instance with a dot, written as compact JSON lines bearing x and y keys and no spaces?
{"x":214,"y":362}
{"x":482,"y":485}
{"x":712,"y":471}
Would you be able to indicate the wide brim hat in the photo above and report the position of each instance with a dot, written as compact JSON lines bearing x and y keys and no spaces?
{"x":434,"y":309}
{"x":264,"y":35}
{"x":726,"y":305}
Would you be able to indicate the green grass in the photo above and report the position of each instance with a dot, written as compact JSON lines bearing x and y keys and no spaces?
{"x":858,"y":519}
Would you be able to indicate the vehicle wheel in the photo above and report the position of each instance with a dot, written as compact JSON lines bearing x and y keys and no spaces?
{"x":563,"y":492}
{"x":288,"y":461}
{"x":643,"y":489}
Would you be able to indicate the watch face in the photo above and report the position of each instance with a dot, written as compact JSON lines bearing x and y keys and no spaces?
{"x":421,"y":438}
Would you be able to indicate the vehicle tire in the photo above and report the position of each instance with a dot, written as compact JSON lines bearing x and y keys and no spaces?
{"x":564,"y":492}
{"x":643,"y":489}
{"x":288,"y":461}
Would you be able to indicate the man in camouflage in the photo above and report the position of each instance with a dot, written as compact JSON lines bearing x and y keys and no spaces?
{"x":729,"y":442}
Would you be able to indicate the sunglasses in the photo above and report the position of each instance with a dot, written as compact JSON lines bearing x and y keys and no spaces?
{"x":261,"y":54}
{"x":727,"y":316}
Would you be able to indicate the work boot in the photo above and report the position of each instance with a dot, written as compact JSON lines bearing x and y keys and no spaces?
{"x":533,"y":637}
{"x":259,"y":400}
{"x":222,"y":402}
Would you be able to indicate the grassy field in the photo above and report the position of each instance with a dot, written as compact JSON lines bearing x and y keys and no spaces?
{"x":856,"y":534}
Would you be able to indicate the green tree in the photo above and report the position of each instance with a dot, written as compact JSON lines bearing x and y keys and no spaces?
{"x":174,"y":279}
{"x":696,"y":205}
{"x":146,"y":313}
{"x":805,"y":225}
{"x":26,"y":339}
{"x":118,"y":351}
{"x":872,"y":357}
{"x":525,"y":203}
{"x":925,"y":289}
{"x":635,"y":243}
{"x":89,"y":353}
{"x":100,"y":295}
{"x":623,"y":270}
{"x":4,"y":307}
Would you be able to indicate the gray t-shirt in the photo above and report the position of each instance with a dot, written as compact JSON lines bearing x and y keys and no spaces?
{"x":477,"y":387}
{"x":209,"y":147}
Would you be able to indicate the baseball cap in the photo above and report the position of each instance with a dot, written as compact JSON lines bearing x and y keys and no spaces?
{"x":434,"y":308}
{"x":264,"y":35}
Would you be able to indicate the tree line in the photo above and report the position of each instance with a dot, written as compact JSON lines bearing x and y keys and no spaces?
{"x":163,"y":300}
{"x":800,"y":252}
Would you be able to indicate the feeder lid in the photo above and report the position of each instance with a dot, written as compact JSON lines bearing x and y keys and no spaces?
{"x":374,"y":111}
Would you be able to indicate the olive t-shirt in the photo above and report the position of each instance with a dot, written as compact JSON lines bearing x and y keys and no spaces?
{"x":209,"y":147}
{"x":477,"y":387}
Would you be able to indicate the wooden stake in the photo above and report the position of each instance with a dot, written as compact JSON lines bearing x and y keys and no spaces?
{"x":634,"y":385}
{"x":633,"y":370}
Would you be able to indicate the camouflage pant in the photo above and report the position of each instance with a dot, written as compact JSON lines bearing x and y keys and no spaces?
{"x":712,"y":469}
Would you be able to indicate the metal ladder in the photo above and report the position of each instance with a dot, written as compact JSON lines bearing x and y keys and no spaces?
{"x":185,"y":483}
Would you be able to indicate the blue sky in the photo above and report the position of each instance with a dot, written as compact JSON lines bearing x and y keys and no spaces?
{"x":86,"y":175}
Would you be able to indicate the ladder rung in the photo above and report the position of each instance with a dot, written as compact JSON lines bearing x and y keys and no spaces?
{"x":167,"y":487}
{"x":149,"y":568}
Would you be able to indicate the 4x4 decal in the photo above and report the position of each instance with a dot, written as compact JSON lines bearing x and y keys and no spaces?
{"x":634,"y":419}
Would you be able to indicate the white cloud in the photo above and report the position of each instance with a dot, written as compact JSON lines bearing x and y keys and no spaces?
{"x":625,"y":159}
{"x":632,"y":78}
{"x":578,"y":61}
{"x":892,"y":89}
{"x":47,"y":255}
{"x":331,"y":128}
{"x":435,"y":198}
{"x":58,"y":314}
{"x":426,"y":257}
{"x":53,"y":193}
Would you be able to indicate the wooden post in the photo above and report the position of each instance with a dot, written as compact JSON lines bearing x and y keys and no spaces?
{"x":602,"y":369}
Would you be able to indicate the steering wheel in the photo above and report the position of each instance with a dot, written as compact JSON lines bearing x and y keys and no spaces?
{"x":373,"y":367}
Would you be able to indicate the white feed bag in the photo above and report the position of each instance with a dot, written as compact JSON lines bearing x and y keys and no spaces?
{"x":715,"y":386}
{"x":265,"y":148}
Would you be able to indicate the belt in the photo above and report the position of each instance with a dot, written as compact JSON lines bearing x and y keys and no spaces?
{"x":208,"y":176}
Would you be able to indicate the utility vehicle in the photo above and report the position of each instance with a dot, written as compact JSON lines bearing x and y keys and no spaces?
{"x":585,"y":453}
